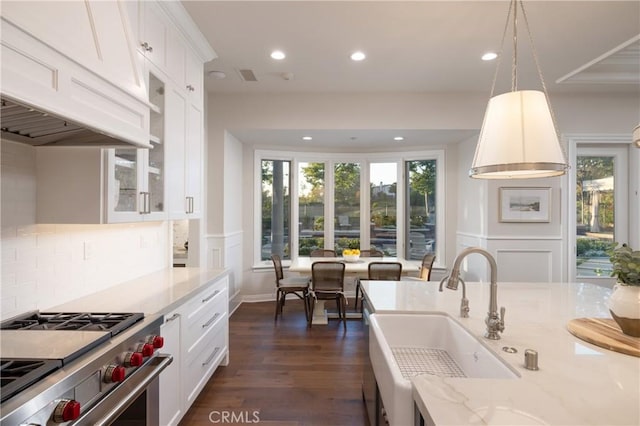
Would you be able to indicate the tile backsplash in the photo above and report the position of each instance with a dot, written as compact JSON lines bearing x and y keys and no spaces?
{"x":46,"y":265}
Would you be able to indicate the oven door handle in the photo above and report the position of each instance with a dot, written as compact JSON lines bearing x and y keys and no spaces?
{"x":118,"y":400}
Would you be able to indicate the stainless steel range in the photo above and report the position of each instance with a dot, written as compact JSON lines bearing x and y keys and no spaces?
{"x":80,"y":368}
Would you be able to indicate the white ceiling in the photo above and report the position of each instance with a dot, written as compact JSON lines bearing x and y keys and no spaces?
{"x":418,"y":46}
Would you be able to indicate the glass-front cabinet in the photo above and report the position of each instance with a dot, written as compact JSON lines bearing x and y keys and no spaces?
{"x":137,"y":176}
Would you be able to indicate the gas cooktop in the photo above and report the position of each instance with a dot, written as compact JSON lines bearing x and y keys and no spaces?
{"x":34,"y":344}
{"x":98,"y":321}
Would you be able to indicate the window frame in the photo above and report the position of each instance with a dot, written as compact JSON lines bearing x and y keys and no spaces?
{"x":365,"y":160}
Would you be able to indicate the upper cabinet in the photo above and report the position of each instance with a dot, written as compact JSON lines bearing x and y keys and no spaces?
{"x":166,"y":38}
{"x":160,"y":64}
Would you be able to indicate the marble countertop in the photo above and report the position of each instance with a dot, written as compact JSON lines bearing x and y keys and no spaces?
{"x":156,"y":293}
{"x":577,"y":384}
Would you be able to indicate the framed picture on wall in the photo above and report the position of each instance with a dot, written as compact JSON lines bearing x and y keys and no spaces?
{"x":524,"y":204}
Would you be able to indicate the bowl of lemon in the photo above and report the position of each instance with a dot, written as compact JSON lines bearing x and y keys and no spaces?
{"x":351,"y":255}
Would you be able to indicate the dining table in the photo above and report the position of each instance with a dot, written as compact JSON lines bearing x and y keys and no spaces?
{"x":355,"y":269}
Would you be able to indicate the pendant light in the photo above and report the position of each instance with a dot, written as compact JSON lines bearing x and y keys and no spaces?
{"x":518,"y":139}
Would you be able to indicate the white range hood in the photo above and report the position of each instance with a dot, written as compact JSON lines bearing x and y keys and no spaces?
{"x":73,"y":85}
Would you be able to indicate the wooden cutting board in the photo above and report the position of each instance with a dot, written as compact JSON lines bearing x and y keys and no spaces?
{"x":606,"y":333}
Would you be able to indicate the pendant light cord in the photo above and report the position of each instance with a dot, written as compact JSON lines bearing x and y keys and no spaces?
{"x":504,"y":36}
{"x":544,"y":86}
{"x":514,"y":62}
{"x":513,"y":5}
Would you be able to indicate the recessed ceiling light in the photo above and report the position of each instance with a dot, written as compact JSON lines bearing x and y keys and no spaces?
{"x":489,"y":56}
{"x":307,"y":138}
{"x":398,"y":138}
{"x":358,"y":56}
{"x":218,"y":75}
{"x":278,"y":55}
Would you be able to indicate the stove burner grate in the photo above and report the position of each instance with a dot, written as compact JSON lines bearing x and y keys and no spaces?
{"x":112,"y":322}
{"x":16,"y":375}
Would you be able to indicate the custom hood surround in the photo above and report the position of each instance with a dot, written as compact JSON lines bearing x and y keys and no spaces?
{"x":79,"y":85}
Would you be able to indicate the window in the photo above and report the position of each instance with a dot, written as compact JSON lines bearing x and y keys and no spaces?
{"x":421,"y":208}
{"x":598,"y":208}
{"x":383,"y":178}
{"x":276,"y":208}
{"x":390,"y":202}
{"x":346,"y":206}
{"x":310,"y":207}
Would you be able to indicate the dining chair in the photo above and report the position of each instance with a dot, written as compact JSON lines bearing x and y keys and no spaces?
{"x":425,"y":268}
{"x":327,"y":283}
{"x":322,"y":253}
{"x":298,"y":286}
{"x":380,"y":271}
{"x":371,"y":253}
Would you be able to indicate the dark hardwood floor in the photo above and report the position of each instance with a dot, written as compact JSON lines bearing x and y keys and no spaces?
{"x":283,"y":373}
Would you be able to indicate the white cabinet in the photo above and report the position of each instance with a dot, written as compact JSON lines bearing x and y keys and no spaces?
{"x":194,"y":160}
{"x":159,"y":40}
{"x":205,"y":338}
{"x":109,"y":185}
{"x":170,"y":402}
{"x":203,"y":346}
{"x":94,"y":186}
{"x":128,"y":184}
{"x":185,"y":146}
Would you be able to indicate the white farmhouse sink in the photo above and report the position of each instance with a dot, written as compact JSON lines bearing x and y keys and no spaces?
{"x":402,"y":345}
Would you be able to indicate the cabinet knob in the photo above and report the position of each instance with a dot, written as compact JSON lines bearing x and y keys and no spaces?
{"x":190,"y":88}
{"x":146,"y":47}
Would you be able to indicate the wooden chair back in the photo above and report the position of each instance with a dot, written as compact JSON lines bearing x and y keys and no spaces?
{"x":327,"y":277}
{"x":277,"y":266}
{"x":322,"y":253}
{"x":385,"y":271}
{"x":371,"y":253}
{"x":427,"y":265}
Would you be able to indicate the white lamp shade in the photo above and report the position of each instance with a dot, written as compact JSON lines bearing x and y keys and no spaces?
{"x":518,"y":139}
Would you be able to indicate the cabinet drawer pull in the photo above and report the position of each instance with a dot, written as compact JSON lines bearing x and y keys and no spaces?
{"x":211,"y":321}
{"x":205,"y":300}
{"x":173,"y":317}
{"x":212,"y":356}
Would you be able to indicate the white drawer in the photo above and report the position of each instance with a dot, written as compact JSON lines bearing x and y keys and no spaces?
{"x":201,"y":302}
{"x":205,"y":319}
{"x":203,"y":363}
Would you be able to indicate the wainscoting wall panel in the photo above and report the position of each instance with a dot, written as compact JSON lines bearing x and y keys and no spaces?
{"x":225,"y":251}
{"x":525,"y":265}
{"x":519,"y":259}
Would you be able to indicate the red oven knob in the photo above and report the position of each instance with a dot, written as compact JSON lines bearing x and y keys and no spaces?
{"x":133,"y":359}
{"x":146,"y":349}
{"x":66,"y":411}
{"x":156,"y":341}
{"x":114,"y":374}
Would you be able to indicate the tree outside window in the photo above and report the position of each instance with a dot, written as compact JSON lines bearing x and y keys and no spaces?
{"x":346,"y":206}
{"x":421,"y":211}
{"x":595,"y":223}
{"x":310,"y":207}
{"x":276,"y":209}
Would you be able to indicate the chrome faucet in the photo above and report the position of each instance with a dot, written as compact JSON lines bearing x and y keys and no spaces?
{"x":495,"y":322}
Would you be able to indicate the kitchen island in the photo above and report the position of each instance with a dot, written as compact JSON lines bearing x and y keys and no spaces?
{"x":577,"y":383}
